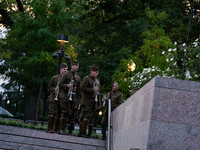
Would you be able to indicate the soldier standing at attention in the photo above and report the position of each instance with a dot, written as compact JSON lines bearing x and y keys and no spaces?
{"x":68,"y":84}
{"x":74,"y":104}
{"x":53,"y":89}
{"x":90,"y":101}
{"x":116,"y":100}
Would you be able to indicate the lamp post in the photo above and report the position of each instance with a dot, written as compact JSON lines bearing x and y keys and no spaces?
{"x":193,"y":13}
{"x":60,"y":54}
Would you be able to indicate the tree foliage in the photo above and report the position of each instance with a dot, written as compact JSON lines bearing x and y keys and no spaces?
{"x":108,"y":33}
{"x":149,"y":54}
{"x":4,"y":53}
{"x":32,"y":40}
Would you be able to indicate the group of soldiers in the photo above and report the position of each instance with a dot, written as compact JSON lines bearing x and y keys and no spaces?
{"x":68,"y":94}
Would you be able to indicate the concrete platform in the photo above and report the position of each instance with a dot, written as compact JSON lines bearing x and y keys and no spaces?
{"x":163,"y":115}
{"x":16,"y":138}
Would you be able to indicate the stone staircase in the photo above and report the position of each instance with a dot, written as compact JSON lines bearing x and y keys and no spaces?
{"x":16,"y":138}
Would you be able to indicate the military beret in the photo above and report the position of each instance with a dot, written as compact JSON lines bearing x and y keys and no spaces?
{"x":94,"y":68}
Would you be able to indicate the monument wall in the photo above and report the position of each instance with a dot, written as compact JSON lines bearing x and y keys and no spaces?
{"x":163,"y":115}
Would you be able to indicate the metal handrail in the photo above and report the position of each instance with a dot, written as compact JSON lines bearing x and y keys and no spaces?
{"x":109,"y":124}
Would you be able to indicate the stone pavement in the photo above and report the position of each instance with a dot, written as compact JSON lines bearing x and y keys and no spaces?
{"x":16,"y":138}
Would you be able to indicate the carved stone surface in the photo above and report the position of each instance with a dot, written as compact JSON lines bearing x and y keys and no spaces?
{"x":163,"y":115}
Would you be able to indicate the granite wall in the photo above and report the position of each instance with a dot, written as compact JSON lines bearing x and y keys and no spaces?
{"x":163,"y":115}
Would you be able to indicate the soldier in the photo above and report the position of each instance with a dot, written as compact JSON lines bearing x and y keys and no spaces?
{"x":53,"y":89}
{"x":90,"y":101}
{"x":68,"y":84}
{"x":116,"y":100}
{"x":74,"y":105}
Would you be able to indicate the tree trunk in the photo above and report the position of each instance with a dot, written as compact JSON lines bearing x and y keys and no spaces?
{"x":38,"y":104}
{"x":44,"y":110}
{"x":29,"y":110}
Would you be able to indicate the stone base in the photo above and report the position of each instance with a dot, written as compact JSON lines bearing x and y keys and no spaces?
{"x":163,"y":115}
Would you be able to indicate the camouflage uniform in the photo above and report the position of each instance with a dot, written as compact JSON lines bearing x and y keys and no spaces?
{"x":116,"y":100}
{"x":88,"y":104}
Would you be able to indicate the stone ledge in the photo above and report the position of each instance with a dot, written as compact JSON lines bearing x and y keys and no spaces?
{"x":162,"y":115}
{"x":20,"y":137}
{"x":177,"y":84}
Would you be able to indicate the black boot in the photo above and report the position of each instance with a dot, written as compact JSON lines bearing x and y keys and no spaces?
{"x":48,"y":123}
{"x":62,"y":126}
{"x":103,"y":133}
{"x":90,"y":130}
{"x":62,"y":132}
{"x":71,"y":128}
{"x":52,"y":118}
{"x":83,"y":129}
{"x":57,"y":124}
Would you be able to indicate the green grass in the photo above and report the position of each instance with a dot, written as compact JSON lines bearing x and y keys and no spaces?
{"x":17,"y":123}
{"x":96,"y":136}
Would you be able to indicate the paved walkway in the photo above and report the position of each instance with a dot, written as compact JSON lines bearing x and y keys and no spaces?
{"x":17,"y":138}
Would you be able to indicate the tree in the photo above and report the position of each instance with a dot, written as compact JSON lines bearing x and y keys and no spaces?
{"x":32,"y":40}
{"x":3,"y":52}
{"x":149,"y":55}
{"x":190,"y":61}
{"x":107,"y":33}
{"x":107,"y":28}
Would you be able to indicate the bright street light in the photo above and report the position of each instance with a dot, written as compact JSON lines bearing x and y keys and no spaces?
{"x":131,"y":66}
{"x":62,"y":39}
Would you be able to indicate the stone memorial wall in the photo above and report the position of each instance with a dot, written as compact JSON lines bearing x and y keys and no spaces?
{"x":163,"y":115}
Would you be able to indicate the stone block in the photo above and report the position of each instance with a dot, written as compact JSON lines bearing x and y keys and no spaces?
{"x":162,"y":115}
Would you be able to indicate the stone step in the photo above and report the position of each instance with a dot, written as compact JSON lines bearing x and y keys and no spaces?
{"x":17,"y":138}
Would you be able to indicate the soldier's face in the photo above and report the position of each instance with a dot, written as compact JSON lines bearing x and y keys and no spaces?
{"x":63,"y":70}
{"x":94,"y":74}
{"x":115,"y":87}
{"x":74,"y":68}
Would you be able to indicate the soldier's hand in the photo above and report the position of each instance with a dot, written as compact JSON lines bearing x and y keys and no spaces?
{"x":75,"y":107}
{"x":56,"y":89}
{"x":98,"y":107}
{"x":69,"y":85}
{"x":96,"y":89}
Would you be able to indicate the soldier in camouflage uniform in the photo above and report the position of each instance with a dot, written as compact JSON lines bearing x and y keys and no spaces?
{"x":116,"y":100}
{"x":54,"y":98}
{"x":90,"y":101}
{"x":68,"y":84}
